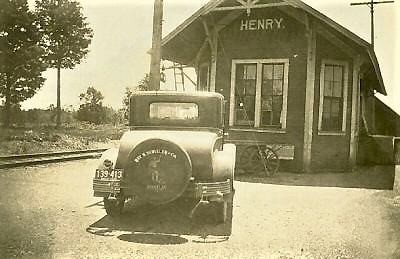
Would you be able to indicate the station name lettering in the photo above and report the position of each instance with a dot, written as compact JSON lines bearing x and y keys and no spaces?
{"x":262,"y":24}
{"x":154,"y":151}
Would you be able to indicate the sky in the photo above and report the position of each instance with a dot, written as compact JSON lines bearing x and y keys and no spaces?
{"x":118,"y":55}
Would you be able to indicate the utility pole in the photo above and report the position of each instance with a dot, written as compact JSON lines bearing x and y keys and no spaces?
{"x":371,"y":6}
{"x":155,"y":76}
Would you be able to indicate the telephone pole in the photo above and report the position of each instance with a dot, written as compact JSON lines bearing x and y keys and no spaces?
{"x":371,"y":6}
{"x":155,"y":76}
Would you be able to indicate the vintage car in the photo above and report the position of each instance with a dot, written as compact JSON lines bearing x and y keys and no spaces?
{"x":174,"y":148}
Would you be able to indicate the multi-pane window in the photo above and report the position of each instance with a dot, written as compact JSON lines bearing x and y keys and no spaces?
{"x":259,"y":93}
{"x":245,"y":94}
{"x":333,"y":96}
{"x":272,"y":94}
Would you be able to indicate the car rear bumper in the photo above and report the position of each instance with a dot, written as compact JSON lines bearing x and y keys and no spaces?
{"x":205,"y":190}
{"x":209,"y":190}
{"x":106,"y":187}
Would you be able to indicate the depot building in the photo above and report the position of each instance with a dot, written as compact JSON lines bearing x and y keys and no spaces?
{"x":292,"y":78}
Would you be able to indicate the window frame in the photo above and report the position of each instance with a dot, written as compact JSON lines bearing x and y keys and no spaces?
{"x":345,"y":66}
{"x":257,"y":113}
{"x":173,"y":121}
{"x":247,"y":123}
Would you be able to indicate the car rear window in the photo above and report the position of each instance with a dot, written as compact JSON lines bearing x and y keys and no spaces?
{"x":171,"y":111}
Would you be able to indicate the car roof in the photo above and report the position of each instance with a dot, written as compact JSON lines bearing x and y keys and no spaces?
{"x":200,"y":94}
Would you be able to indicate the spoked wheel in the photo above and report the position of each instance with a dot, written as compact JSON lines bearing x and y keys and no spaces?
{"x":271,"y":161}
{"x":260,"y":159}
{"x":246,"y":161}
{"x":114,"y":206}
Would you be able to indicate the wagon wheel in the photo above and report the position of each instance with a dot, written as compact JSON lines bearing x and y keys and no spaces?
{"x":270,"y":160}
{"x":256,"y":159}
{"x":245,"y":162}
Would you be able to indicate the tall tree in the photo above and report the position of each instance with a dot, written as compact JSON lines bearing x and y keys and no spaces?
{"x":67,"y":37}
{"x":21,"y":63}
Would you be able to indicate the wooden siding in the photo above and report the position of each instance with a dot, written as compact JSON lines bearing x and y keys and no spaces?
{"x":331,"y":152}
{"x":328,"y":152}
{"x":290,"y":43}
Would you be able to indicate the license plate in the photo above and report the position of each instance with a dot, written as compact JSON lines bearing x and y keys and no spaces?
{"x":109,"y":173}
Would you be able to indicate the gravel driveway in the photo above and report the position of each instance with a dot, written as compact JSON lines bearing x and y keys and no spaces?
{"x":48,"y":211}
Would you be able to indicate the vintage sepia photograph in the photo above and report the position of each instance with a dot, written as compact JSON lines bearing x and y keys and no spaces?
{"x":200,"y":129}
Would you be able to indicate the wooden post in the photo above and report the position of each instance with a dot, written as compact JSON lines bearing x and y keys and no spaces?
{"x":371,"y":5}
{"x":212,"y":38}
{"x":355,"y":112}
{"x":396,"y":158}
{"x":214,"y":54}
{"x":155,"y":75}
{"x":309,"y":102}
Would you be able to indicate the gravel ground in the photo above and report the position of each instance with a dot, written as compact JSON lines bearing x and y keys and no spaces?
{"x":49,"y":212}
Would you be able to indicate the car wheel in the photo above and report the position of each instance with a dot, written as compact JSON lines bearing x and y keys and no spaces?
{"x":221,"y":211}
{"x":114,"y":207}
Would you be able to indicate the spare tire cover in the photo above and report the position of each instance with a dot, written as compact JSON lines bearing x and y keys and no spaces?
{"x":158,"y":171}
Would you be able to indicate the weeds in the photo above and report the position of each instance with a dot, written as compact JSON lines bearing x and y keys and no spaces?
{"x":23,"y":140}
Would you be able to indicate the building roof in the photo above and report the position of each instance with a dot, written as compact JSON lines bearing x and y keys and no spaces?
{"x":185,"y":41}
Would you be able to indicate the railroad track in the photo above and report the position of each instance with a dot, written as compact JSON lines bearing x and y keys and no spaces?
{"x":43,"y":158}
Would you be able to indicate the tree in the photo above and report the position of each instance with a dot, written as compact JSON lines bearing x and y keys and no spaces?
{"x":125,"y":103}
{"x":143,"y":85}
{"x":21,"y":63}
{"x":92,"y":97}
{"x":91,"y":108}
{"x":67,"y":37}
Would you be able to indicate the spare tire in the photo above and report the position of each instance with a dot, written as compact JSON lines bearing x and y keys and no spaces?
{"x":158,"y":171}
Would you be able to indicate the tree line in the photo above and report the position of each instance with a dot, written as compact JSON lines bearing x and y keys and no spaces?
{"x":54,"y":35}
{"x":91,"y":110}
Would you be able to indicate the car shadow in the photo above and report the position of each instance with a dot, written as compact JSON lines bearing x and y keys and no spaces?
{"x":376,"y":177}
{"x":165,"y":224}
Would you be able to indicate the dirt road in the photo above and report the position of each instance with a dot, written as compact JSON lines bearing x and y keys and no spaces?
{"x":49,"y":211}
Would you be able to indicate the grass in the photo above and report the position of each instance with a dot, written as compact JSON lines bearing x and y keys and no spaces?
{"x":35,"y":139}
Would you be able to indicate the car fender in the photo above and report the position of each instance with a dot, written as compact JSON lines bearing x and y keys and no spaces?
{"x":224,"y":163}
{"x":108,"y":156}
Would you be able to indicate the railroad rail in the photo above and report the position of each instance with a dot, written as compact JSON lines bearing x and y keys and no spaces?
{"x":52,"y":157}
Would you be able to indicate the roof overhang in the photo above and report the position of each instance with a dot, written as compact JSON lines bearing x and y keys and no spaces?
{"x":185,"y":41}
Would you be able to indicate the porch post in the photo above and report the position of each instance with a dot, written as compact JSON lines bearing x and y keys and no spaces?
{"x":214,"y":54}
{"x":212,"y":38}
{"x":309,"y":101}
{"x":354,"y":130}
{"x":396,"y":158}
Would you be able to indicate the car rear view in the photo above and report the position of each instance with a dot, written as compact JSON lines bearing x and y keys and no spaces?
{"x":175,"y":148}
